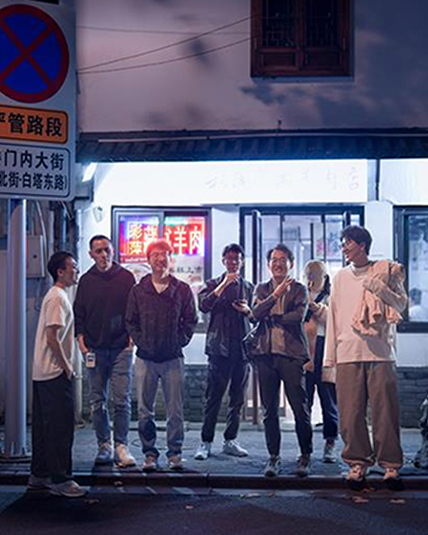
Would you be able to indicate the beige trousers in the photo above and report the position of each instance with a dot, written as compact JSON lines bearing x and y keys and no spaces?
{"x":359,"y":384}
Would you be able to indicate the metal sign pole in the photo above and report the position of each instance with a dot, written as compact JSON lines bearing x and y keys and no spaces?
{"x":16,"y":350}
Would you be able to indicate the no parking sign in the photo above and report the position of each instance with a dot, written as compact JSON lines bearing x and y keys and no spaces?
{"x":37,"y":100}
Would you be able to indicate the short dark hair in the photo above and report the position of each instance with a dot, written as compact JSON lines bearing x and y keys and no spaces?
{"x":96,"y":238}
{"x":160,"y":244}
{"x":358,"y":235}
{"x":284,"y":249}
{"x":58,"y":261}
{"x":233,"y":248}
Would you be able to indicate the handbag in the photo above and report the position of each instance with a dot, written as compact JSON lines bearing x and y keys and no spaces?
{"x":253,"y":340}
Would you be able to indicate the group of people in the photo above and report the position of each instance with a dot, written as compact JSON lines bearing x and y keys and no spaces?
{"x":289,"y":324}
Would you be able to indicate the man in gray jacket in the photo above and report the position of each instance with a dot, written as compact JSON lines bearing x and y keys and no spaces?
{"x":282,"y":303}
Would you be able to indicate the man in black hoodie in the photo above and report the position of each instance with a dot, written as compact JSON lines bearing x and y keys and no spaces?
{"x":99,"y":310}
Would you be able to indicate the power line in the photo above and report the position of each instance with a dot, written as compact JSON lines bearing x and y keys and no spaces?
{"x":165,"y":62}
{"x":154,"y":32}
{"x":164,"y":47}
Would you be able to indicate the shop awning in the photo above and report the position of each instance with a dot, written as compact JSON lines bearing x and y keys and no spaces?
{"x":252,"y":145}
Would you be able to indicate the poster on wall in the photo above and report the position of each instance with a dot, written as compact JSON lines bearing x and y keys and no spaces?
{"x":186,"y":233}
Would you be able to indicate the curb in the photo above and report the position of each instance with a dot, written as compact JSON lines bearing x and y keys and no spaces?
{"x":213,"y":481}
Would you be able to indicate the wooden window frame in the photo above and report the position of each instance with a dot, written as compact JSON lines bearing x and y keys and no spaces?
{"x":263,"y":61}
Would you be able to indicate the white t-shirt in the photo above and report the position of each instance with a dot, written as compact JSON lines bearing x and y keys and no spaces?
{"x":56,"y":310}
{"x":343,"y":343}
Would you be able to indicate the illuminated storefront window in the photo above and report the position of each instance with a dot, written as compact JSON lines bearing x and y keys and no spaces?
{"x":186,"y":231}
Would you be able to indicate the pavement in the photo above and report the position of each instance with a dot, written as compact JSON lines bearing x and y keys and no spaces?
{"x":220,"y":470}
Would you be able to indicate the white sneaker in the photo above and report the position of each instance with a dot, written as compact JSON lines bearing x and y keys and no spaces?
{"x":150,"y":463}
{"x":329,"y":453}
{"x":39,"y":483}
{"x":68,"y":489}
{"x":175,"y":462}
{"x":123,"y":457}
{"x":356,"y":477}
{"x":105,"y":453}
{"x":357,"y":473}
{"x":204,"y":451}
{"x":231,"y":447}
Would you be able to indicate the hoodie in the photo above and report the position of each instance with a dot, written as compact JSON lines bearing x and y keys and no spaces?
{"x":100,"y":307}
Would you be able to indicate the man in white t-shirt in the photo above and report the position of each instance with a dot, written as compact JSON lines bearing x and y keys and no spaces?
{"x":53,"y":407}
{"x":365,"y":365}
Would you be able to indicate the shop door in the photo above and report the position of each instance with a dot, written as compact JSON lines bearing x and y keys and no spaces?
{"x":313,"y":233}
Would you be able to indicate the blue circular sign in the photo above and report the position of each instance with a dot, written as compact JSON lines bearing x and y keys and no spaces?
{"x":34,"y":58}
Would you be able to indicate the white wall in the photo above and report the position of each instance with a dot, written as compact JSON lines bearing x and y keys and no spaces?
{"x":405,"y":181}
{"x":379,"y":220}
{"x":215,"y":91}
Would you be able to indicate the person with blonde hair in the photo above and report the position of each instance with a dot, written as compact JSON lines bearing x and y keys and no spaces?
{"x":317,"y":281}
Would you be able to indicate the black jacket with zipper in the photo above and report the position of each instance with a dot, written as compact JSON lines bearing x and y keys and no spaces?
{"x":227,"y":327}
{"x":161,"y":324}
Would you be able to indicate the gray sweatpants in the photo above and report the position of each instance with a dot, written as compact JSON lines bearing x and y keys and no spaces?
{"x":357,"y":385}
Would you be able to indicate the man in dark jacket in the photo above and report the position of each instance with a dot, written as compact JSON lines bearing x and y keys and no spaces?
{"x":99,"y":310}
{"x":282,"y":303}
{"x":161,"y":318}
{"x":227,"y":299}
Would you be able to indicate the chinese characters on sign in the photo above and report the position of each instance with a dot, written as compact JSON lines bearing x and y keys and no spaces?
{"x":40,"y":171}
{"x":185,"y":234}
{"x":29,"y":124}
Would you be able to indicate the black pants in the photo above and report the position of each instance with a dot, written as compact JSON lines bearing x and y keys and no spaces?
{"x":221,"y":372}
{"x":53,"y":428}
{"x":326,"y":393}
{"x":273,"y":369}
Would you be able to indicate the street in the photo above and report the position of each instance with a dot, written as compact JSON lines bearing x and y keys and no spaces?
{"x":133,"y":510}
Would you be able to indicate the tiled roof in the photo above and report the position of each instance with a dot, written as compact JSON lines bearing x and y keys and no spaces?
{"x":252,"y":145}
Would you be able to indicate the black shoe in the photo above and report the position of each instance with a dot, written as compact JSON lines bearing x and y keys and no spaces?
{"x":393,"y":480}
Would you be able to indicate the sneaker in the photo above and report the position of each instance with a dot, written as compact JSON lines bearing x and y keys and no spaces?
{"x":204,"y":451}
{"x":122,"y":456}
{"x":232,"y":447}
{"x":303,"y":464}
{"x":105,"y":454}
{"x":392,"y":479}
{"x":150,"y":463}
{"x":175,"y":462}
{"x":68,"y":489}
{"x":356,"y":477}
{"x":273,"y":466}
{"x":329,"y":453}
{"x":39,"y":483}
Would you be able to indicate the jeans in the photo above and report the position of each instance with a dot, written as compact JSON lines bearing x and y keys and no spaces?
{"x":272,"y":370}
{"x":326,"y":393}
{"x":170,"y":373}
{"x":53,"y":428}
{"x":221,"y":372}
{"x":113,"y":368}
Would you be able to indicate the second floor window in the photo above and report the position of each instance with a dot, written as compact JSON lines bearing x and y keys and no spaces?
{"x":300,"y":37}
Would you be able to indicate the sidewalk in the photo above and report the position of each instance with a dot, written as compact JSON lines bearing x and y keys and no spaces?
{"x":220,"y":470}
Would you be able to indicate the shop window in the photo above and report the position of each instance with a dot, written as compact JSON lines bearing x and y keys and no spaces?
{"x":300,"y":38}
{"x":187,"y":230}
{"x":412,"y":251}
